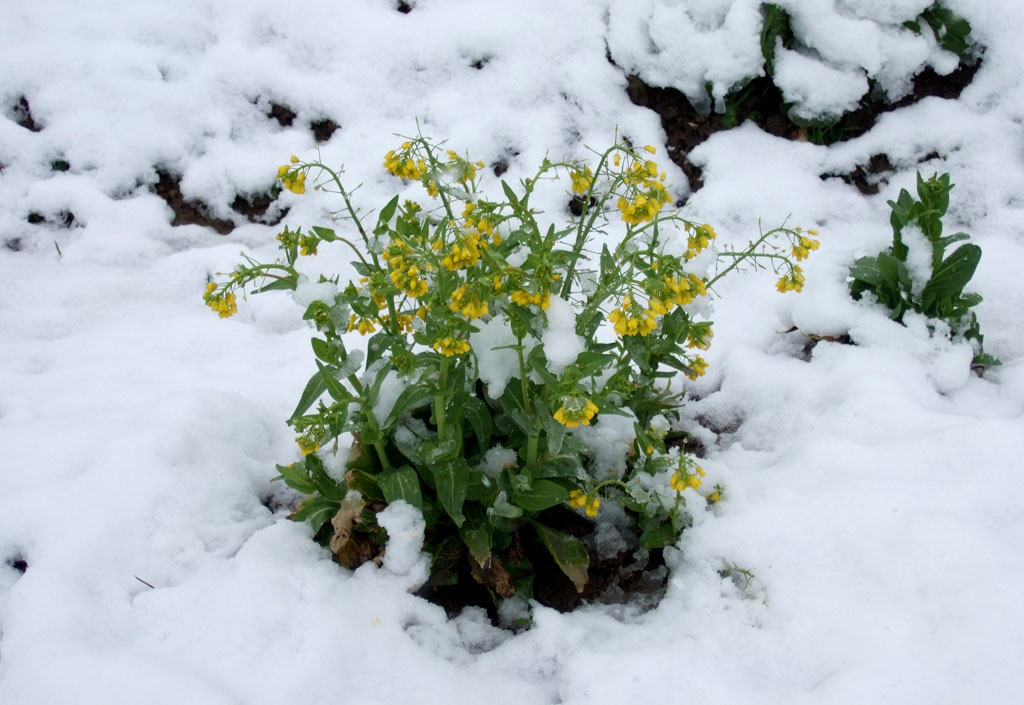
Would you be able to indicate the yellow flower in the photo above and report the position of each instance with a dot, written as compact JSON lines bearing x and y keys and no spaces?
{"x":451,"y":346}
{"x":628,"y":323}
{"x":577,"y":498}
{"x":793,"y":281}
{"x":698,"y":366}
{"x":576,"y":410}
{"x":223,"y":304}
{"x":294,"y":181}
{"x":650,"y":148}
{"x":617,"y":159}
{"x":363,"y":325}
{"x":582,"y":180}
{"x":593,"y":505}
{"x":307,"y":445}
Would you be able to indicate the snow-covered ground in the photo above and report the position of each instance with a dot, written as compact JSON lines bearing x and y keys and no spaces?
{"x":874,"y":490}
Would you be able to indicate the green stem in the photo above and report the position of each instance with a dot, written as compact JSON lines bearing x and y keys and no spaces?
{"x":531,"y":440}
{"x":439,"y":399}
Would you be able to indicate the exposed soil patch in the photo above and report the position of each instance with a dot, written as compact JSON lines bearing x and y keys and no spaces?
{"x":870,"y":177}
{"x":254,"y":208}
{"x":17,"y":562}
{"x":284,"y":115}
{"x":187,"y":211}
{"x":61,"y":219}
{"x":403,"y":7}
{"x":324,"y":129}
{"x":21,"y":113}
{"x":760,"y":101}
{"x":630,"y":575}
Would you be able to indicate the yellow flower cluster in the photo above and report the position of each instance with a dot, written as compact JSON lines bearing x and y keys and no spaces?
{"x":471,"y":308}
{"x":525,"y":298}
{"x":307,"y":445}
{"x":575,"y":411}
{"x":647,"y":192}
{"x":293,"y":179}
{"x":700,"y":337}
{"x":223,"y":304}
{"x":403,"y":166}
{"x":805,"y":245}
{"x":793,"y":281}
{"x":682,"y":480}
{"x":629,"y":319}
{"x":582,"y":179}
{"x":406,"y":276}
{"x":679,"y":291}
{"x":643,"y":206}
{"x":699,"y":240}
{"x":448,"y":346}
{"x":465,"y":252}
{"x":591,"y":505}
{"x":363,"y":325}
{"x":698,"y":366}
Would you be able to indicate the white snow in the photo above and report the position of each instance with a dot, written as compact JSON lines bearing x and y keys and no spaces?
{"x":873,"y":489}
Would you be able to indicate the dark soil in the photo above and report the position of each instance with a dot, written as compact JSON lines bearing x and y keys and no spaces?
{"x":60,"y":219}
{"x":194,"y":212}
{"x":21,"y":112}
{"x":760,"y":101}
{"x":637,"y":576}
{"x":187,"y":212}
{"x":18,"y":562}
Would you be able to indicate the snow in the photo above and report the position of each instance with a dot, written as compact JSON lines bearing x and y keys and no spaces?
{"x":872,"y":489}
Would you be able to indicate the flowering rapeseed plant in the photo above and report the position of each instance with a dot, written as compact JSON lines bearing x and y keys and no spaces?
{"x":431,"y":275}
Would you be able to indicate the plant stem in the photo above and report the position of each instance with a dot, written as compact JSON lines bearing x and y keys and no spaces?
{"x":439,"y":399}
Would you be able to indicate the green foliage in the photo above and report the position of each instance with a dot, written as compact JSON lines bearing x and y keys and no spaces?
{"x":493,"y":469}
{"x":951,"y":31}
{"x":942,"y":297}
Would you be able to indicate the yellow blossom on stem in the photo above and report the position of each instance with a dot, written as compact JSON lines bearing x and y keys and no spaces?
{"x":582,"y":180}
{"x":698,"y":366}
{"x":363,"y":325}
{"x":593,"y":505}
{"x":576,"y":410}
{"x":793,"y":281}
{"x":449,"y":346}
{"x":224,"y":304}
{"x":577,"y":498}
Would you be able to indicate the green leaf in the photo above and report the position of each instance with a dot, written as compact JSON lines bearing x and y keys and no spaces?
{"x":567,"y":466}
{"x":510,"y":195}
{"x":568,"y":551}
{"x":335,"y":388}
{"x":325,"y":234}
{"x":317,"y":511}
{"x":296,"y":477}
{"x":503,"y":508}
{"x":325,"y":485}
{"x":541,"y":495}
{"x":476,"y":534}
{"x":479,"y":416}
{"x":410,"y":397}
{"x":450,"y":479}
{"x":313,"y":390}
{"x":402,"y":483}
{"x":387,"y":212}
{"x":950,"y":278}
{"x":283,"y":284}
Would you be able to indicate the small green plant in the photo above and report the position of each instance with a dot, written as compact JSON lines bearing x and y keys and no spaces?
{"x":936,"y":287}
{"x":493,"y":339}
